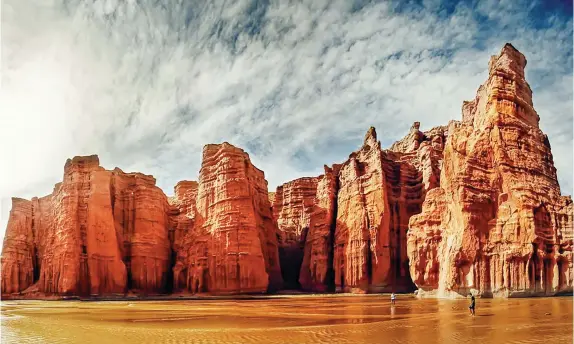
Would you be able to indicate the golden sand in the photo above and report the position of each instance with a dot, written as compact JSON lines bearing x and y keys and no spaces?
{"x":290,"y":319}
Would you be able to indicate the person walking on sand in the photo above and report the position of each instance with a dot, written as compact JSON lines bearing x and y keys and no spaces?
{"x":472,"y":304}
{"x":393,"y":298}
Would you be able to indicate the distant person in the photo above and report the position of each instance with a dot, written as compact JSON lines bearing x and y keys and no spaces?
{"x":472,"y":304}
{"x":393,"y":298}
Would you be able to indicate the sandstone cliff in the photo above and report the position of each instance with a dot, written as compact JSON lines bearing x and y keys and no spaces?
{"x":99,"y":233}
{"x":292,"y":206}
{"x":231,"y":247}
{"x":498,"y":224}
{"x":140,"y":212}
{"x":357,"y":239}
{"x":19,"y":252}
{"x":473,"y":206}
{"x":182,"y":218}
{"x":317,"y":272}
{"x":105,"y":233}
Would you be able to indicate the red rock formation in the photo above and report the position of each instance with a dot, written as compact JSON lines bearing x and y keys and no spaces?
{"x":317,"y":267}
{"x":182,"y":218}
{"x":412,"y":168}
{"x":232,"y":247}
{"x":80,"y":238}
{"x":140,"y":212}
{"x":362,"y":254}
{"x":271,"y":198}
{"x":75,"y":240}
{"x":18,"y":251}
{"x":371,"y":196}
{"x":473,"y":206}
{"x":498,"y":224}
{"x":292,"y":206}
{"x":106,"y":271}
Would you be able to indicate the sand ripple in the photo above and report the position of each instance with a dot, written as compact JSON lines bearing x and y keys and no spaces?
{"x":305,"y":320}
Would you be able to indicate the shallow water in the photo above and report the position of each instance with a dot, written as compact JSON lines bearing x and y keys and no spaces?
{"x":293,"y":319}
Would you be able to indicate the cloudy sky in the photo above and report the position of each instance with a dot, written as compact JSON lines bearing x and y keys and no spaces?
{"x":146,"y":83}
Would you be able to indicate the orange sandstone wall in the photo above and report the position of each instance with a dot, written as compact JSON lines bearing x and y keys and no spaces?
{"x":99,"y":233}
{"x":292,"y":207}
{"x":232,"y":245}
{"x":498,"y":225}
{"x":473,"y":206}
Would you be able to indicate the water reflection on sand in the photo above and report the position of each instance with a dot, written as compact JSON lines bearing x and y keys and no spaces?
{"x":294,"y":319}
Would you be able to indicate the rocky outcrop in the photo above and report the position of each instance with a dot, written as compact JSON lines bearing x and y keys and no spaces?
{"x":473,"y":206}
{"x":411,"y":171}
{"x":292,"y":207}
{"x":182,"y":219}
{"x":317,"y":272}
{"x":232,"y":246}
{"x":141,"y":221}
{"x":362,"y":252}
{"x":19,"y":251}
{"x":498,"y":225}
{"x":182,"y":212}
{"x":271,"y":198}
{"x":357,"y":239}
{"x":106,"y":233}
{"x":74,"y":251}
{"x":99,"y":233}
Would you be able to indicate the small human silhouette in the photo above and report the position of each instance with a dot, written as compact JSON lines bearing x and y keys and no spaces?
{"x":393,"y":298}
{"x":472,"y":304}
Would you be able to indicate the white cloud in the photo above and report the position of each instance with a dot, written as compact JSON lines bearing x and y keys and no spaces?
{"x":146,"y":84}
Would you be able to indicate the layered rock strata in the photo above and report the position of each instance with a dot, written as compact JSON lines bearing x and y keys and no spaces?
{"x":232,"y":245}
{"x":497,"y":225}
{"x":358,"y":228}
{"x":317,"y":273}
{"x":473,"y":206}
{"x":140,"y":210}
{"x":293,"y":204}
{"x":73,"y":251}
{"x":106,"y":233}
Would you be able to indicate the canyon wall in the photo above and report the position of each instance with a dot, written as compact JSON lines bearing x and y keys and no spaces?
{"x":292,"y":206}
{"x":316,"y":272}
{"x":497,"y":225}
{"x":357,"y":238}
{"x":110,"y":233}
{"x":141,"y":219}
{"x":473,"y":206}
{"x":230,"y":244}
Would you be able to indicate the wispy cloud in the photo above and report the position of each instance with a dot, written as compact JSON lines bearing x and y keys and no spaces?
{"x":145,"y":84}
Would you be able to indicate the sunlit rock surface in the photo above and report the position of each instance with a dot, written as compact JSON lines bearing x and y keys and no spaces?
{"x":473,"y":206}
{"x":293,"y":204}
{"x":230,"y":245}
{"x":498,"y":225}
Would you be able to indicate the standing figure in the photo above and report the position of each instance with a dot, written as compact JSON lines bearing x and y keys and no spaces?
{"x":472,"y":304}
{"x":393,"y":298}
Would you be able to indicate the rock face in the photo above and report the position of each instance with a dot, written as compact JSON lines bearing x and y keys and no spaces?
{"x":357,"y":239}
{"x":497,"y":225}
{"x":317,"y":272}
{"x":362,"y":253}
{"x":72,"y":251}
{"x":99,"y":233}
{"x":232,"y":246}
{"x":293,"y":204}
{"x":19,"y":251}
{"x":182,"y":219}
{"x":378,"y":191}
{"x":141,"y":219}
{"x":105,"y":233}
{"x":473,"y":206}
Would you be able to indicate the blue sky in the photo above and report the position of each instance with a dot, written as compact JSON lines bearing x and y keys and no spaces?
{"x":145,"y":84}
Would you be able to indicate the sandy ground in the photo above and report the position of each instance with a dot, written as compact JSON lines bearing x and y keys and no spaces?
{"x":290,"y":319}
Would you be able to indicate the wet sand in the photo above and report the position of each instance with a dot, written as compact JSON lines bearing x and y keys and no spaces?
{"x":290,"y":319}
